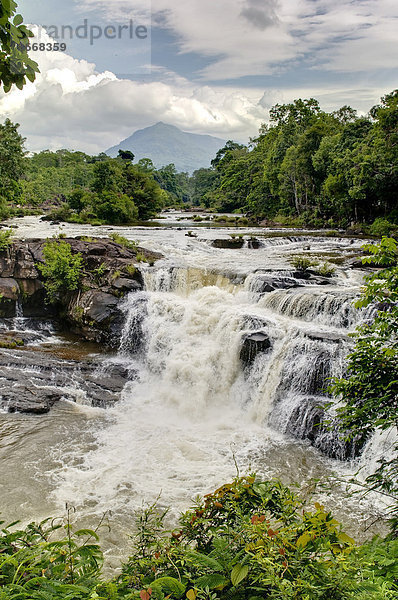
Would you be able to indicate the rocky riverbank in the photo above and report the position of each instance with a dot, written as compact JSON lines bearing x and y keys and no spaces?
{"x":110,"y":271}
{"x":32,"y":376}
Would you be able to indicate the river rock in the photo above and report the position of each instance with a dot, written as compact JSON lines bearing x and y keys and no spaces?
{"x":269,"y":283}
{"x":9,"y":288}
{"x":22,"y":399}
{"x":232,"y":244}
{"x":33,"y":381}
{"x":328,"y":336}
{"x":252,"y":345}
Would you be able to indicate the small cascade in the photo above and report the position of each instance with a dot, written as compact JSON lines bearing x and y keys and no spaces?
{"x":184,"y":280}
{"x":18,"y":321}
{"x":133,"y":337}
{"x":333,"y":308}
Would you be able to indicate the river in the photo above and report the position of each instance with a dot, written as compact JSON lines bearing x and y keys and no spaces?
{"x":194,"y":410}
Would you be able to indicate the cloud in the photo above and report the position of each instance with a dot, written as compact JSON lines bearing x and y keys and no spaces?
{"x":260,"y":13}
{"x":282,"y":35}
{"x":73,"y":105}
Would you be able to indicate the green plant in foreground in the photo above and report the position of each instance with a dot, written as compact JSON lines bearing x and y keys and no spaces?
{"x":370,"y":390}
{"x":5,"y":239}
{"x":249,"y":540}
{"x":62,"y":270}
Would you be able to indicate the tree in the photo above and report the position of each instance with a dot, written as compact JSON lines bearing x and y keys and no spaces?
{"x":126,"y":155}
{"x":370,"y":390}
{"x":62,"y":270}
{"x":144,"y":191}
{"x":15,"y":64}
{"x":11,"y":164}
{"x":115,"y":208}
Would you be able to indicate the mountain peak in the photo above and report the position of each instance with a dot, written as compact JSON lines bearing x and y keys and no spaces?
{"x":164,"y":144}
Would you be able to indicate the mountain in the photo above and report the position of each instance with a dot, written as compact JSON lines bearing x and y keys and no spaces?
{"x":165,"y":144}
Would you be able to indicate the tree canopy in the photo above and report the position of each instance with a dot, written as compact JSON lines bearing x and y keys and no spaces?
{"x":15,"y":65}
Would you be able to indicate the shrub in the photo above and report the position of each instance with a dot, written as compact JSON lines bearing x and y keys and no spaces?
{"x":382,"y":227}
{"x":249,"y":540}
{"x":302,"y":263}
{"x":325,"y":270}
{"x":5,"y":239}
{"x":62,"y":270}
{"x":122,"y":241}
{"x":130,"y":269}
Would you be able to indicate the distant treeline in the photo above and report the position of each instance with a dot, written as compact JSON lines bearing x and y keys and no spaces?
{"x":307,"y":167}
{"x":313,"y":165}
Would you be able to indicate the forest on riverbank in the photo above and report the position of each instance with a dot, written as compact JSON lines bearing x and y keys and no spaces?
{"x":307,"y":167}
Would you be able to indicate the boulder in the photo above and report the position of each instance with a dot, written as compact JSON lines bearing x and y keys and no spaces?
{"x":232,"y":244}
{"x":126,"y":285}
{"x":324,"y":336}
{"x":252,"y":345}
{"x":9,"y":288}
{"x":24,"y":399}
{"x":99,"y":306}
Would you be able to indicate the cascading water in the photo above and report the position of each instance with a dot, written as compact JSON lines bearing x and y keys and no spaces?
{"x":227,"y":353}
{"x":215,"y":370}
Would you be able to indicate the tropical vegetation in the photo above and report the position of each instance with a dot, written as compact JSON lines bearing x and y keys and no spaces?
{"x":249,"y":539}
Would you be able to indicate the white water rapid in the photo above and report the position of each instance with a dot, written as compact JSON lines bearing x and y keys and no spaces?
{"x":227,"y":370}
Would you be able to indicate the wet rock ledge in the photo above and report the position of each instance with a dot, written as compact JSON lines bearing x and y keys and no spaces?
{"x":93,"y":311}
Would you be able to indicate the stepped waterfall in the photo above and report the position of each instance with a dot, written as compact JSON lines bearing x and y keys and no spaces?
{"x":223,"y":361}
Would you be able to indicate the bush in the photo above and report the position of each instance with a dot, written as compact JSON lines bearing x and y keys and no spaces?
{"x":248,"y":540}
{"x":382,"y":227}
{"x":62,"y":270}
{"x":122,"y":241}
{"x":325,"y":270}
{"x":5,"y":239}
{"x":302,"y":263}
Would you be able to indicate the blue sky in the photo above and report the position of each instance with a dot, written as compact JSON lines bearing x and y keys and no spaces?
{"x":209,"y":66}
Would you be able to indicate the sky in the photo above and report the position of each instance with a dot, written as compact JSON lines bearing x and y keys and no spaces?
{"x":206,"y":66}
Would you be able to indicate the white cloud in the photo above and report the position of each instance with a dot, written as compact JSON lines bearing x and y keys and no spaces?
{"x":260,"y":37}
{"x":72,"y":105}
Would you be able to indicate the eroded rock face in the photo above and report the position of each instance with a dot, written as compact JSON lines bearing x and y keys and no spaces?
{"x":111,"y":271}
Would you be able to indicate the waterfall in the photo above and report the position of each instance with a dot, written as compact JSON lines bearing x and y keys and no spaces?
{"x":190,"y":334}
{"x":18,"y":321}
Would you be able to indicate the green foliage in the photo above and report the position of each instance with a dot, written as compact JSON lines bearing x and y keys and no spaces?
{"x":382,"y":227}
{"x":38,"y":563}
{"x":370,"y":391}
{"x":317,"y":168}
{"x":302,"y":263}
{"x":15,"y":64}
{"x":122,"y":241}
{"x":11,"y":165}
{"x":325,"y":269}
{"x":90,"y":189}
{"x":62,"y":270}
{"x":248,"y":540}
{"x":5,"y":239}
